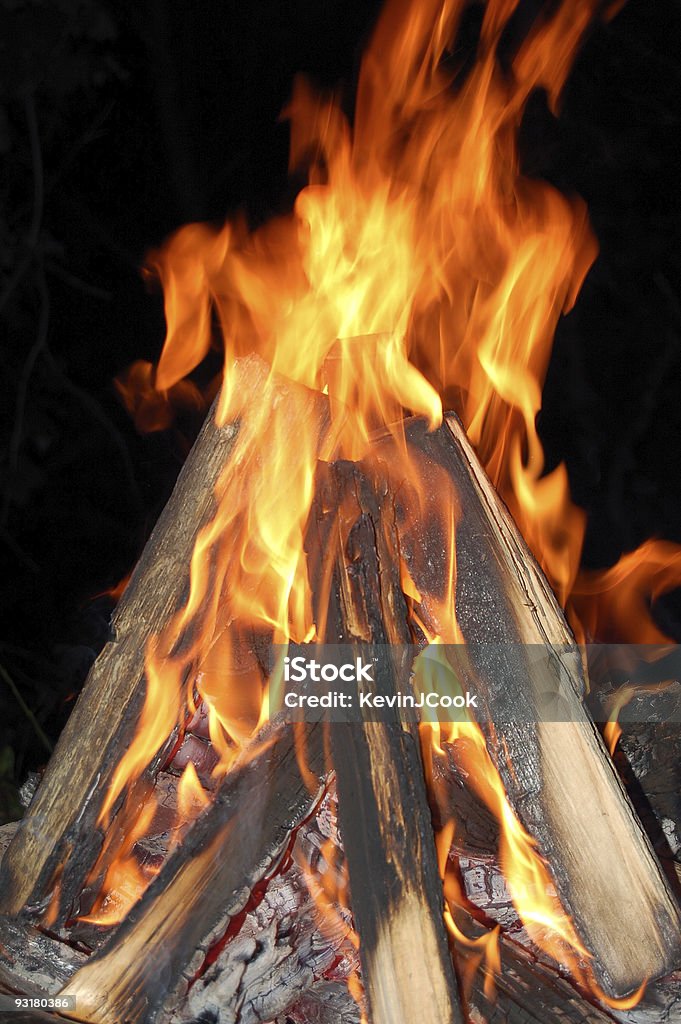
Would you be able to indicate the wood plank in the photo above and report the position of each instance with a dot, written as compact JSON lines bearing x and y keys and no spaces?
{"x":396,"y":892}
{"x":556,"y":773}
{"x":58,"y":837}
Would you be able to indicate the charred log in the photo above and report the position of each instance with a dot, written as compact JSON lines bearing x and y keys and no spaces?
{"x":521,"y":661}
{"x":396,"y":893}
{"x":58,"y":838}
{"x":165,"y":940}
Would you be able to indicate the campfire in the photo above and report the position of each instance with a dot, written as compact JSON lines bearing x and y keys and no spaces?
{"x":335,"y":763}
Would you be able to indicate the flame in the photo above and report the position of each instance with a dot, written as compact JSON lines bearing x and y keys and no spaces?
{"x":419,"y":262}
{"x":418,"y":265}
{"x":526,"y":874}
{"x":485,"y":949}
{"x":150,"y":408}
{"x":191,"y":796}
{"x":418,"y":230}
{"x":126,"y":879}
{"x":612,"y":730}
{"x":156,"y":724}
{"x":615,"y":604}
{"x":116,"y":592}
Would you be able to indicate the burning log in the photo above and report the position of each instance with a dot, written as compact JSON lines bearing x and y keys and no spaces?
{"x":524,"y":985}
{"x":396,"y":893}
{"x":393,"y":869}
{"x":165,"y":939}
{"x":556,"y":773}
{"x":523,"y":990}
{"x":288,"y":946}
{"x":281,"y":946}
{"x":382,"y":540}
{"x":648,"y":756}
{"x":428,"y":553}
{"x":59,"y":838}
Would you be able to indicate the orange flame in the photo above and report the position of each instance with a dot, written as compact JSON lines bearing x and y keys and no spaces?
{"x":615,"y":604}
{"x":126,"y":879}
{"x":418,"y":265}
{"x":526,"y":874}
{"x":612,"y":730}
{"x":486,"y":954}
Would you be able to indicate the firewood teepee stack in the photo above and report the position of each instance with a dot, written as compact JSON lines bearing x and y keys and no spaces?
{"x":304,"y":869}
{"x":557,"y":775}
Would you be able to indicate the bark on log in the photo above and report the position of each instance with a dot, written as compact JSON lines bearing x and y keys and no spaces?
{"x":396,"y":892}
{"x":31,"y":963}
{"x":59,"y":836}
{"x":557,"y":774}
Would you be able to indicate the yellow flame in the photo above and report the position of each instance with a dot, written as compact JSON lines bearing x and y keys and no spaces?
{"x":526,"y":874}
{"x":126,"y":879}
{"x":419,"y":264}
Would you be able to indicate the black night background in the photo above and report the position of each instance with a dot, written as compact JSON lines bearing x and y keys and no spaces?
{"x":120,"y":121}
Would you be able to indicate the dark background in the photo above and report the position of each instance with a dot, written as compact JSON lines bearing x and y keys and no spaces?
{"x":120,"y":121}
